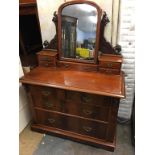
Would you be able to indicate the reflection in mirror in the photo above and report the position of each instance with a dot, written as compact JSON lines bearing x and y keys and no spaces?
{"x":78,"y":24}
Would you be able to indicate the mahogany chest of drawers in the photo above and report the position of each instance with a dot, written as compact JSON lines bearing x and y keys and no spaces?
{"x":82,"y":114}
{"x":63,"y":104}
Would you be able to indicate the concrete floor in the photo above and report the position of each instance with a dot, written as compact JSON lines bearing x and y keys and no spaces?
{"x":29,"y":140}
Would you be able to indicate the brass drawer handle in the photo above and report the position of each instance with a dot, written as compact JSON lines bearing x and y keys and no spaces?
{"x":66,"y":65}
{"x":87,"y":112}
{"x":109,"y":64}
{"x":86,"y":98}
{"x":46,"y":65}
{"x":49,"y":104}
{"x":51,"y":120}
{"x":46,"y":93}
{"x":87,"y":129}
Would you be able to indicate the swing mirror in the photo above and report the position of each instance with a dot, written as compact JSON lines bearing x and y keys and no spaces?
{"x":78,"y":31}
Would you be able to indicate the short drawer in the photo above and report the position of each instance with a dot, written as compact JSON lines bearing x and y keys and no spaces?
{"x":93,"y":129}
{"x":47,"y":98}
{"x":87,"y":111}
{"x":73,"y":124}
{"x":51,"y":119}
{"x":96,"y":100}
{"x":109,"y":71}
{"x":113,"y":65}
{"x":46,"y":61}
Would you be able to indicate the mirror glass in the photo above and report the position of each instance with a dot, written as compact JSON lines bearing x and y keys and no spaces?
{"x":78,"y":31}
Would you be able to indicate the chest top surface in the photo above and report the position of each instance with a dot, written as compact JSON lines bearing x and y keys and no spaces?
{"x":90,"y":82}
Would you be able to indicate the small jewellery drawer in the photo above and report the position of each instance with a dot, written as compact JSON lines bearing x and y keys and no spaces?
{"x":113,"y":65}
{"x":47,"y":98}
{"x":73,"y":124}
{"x":46,"y":60}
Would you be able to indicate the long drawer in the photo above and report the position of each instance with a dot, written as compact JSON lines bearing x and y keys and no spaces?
{"x":53,"y":99}
{"x":73,"y":124}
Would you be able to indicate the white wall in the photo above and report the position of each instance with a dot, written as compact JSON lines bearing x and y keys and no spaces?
{"x":127,"y":41}
{"x":46,"y":8}
{"x":24,"y":113}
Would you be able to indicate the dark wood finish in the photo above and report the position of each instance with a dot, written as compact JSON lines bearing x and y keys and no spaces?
{"x":91,"y":118}
{"x":77,"y":66}
{"x":89,"y":109}
{"x":53,"y":44}
{"x":27,"y":1}
{"x":110,"y":64}
{"x":104,"y":45}
{"x":90,"y":82}
{"x":97,"y":30}
{"x":87,"y":101}
{"x":73,"y":103}
{"x":47,"y":58}
{"x":76,"y":100}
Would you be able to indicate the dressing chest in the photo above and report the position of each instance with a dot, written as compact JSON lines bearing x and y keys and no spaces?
{"x":75,"y":93}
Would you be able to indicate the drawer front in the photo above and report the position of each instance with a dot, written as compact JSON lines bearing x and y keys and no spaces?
{"x":113,"y":65}
{"x":48,"y":98}
{"x":73,"y":96}
{"x":87,"y":111}
{"x":77,"y":125}
{"x":93,"y":129}
{"x":51,"y":119}
{"x":79,"y":67}
{"x":109,"y":71}
{"x":96,"y":100}
{"x":46,"y":61}
{"x":46,"y":64}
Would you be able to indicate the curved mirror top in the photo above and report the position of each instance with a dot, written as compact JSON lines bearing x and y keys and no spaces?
{"x":78,"y":31}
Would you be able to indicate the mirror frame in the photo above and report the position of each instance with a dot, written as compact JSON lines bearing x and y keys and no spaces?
{"x":99,"y":12}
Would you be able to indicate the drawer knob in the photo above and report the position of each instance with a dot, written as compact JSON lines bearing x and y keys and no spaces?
{"x":46,"y":93}
{"x":87,"y":112}
{"x":51,"y":120}
{"x":87,"y":129}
